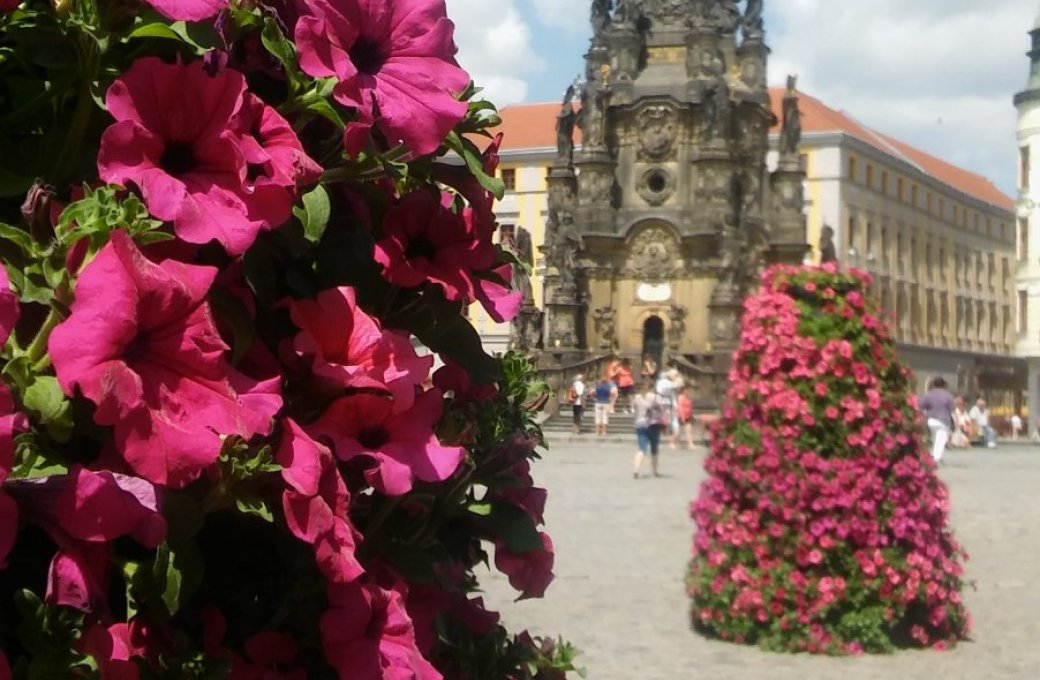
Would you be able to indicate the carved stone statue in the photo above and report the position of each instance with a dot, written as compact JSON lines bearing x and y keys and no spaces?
{"x":827,"y":250}
{"x":604,"y":319}
{"x":715,"y":111}
{"x":600,"y":15}
{"x":791,"y":128}
{"x":676,"y":326}
{"x":751,"y":22}
{"x":566,"y":246}
{"x":565,"y":128}
{"x":523,"y":251}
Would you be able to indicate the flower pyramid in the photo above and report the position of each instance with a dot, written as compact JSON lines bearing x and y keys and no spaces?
{"x":822,"y":526}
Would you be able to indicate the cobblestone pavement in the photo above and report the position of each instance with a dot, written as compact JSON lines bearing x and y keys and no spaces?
{"x":622,"y":546}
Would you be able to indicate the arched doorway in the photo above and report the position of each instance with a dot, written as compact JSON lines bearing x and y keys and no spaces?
{"x":653,"y":338}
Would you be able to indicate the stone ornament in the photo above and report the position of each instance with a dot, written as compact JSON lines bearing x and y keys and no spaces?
{"x":656,"y":186}
{"x":653,"y":254}
{"x":658,"y":131}
{"x":604,"y":319}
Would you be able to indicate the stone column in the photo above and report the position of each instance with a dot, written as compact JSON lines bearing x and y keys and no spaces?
{"x":1033,"y":394}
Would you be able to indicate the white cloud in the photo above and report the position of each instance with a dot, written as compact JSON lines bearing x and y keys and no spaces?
{"x":570,"y":15}
{"x":938,"y":74}
{"x":495,"y":47}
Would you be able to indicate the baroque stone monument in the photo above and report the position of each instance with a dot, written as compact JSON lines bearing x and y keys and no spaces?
{"x":667,"y":211}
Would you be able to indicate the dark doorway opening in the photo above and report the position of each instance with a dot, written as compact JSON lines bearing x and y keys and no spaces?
{"x":653,"y":339}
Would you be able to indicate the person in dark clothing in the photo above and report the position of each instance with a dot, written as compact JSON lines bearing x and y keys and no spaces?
{"x":937,"y":405}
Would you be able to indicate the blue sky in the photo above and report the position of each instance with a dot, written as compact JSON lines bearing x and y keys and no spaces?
{"x":938,"y":74}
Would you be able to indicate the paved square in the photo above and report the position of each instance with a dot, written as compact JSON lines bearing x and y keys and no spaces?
{"x":622,"y":546}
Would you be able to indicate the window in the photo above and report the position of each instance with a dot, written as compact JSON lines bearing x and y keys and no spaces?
{"x":928,"y":202}
{"x":899,"y":188}
{"x":913,"y":195}
{"x":852,"y":234}
{"x":1023,"y":167}
{"x":928,"y":259}
{"x":942,"y":263}
{"x":884,"y":182}
{"x":852,"y":168}
{"x":991,"y":271}
{"x":509,"y":178}
{"x":1023,"y":238}
{"x":1023,"y":311}
{"x":942,"y":210}
{"x":870,"y":176}
{"x":899,"y":252}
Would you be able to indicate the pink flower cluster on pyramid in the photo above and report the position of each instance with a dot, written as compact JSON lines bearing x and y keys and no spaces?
{"x":822,"y":526}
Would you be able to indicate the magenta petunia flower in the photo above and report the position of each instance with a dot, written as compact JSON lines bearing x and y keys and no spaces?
{"x":188,"y":10}
{"x":83,"y":511}
{"x":276,"y":163}
{"x":403,"y":444}
{"x":347,"y":348}
{"x":317,"y":503}
{"x":395,"y":63}
{"x":11,"y":423}
{"x":368,"y":635}
{"x":218,"y":171}
{"x":425,"y":241}
{"x":530,"y":572}
{"x":142,"y":345}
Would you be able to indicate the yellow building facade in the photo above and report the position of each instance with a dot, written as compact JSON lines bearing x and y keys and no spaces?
{"x":940,"y":241}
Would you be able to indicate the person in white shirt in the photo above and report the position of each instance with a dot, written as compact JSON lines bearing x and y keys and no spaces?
{"x":1016,"y":426}
{"x":576,"y":396}
{"x":980,"y":415}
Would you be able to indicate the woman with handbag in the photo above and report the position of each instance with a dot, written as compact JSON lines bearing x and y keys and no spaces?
{"x":651,"y":417}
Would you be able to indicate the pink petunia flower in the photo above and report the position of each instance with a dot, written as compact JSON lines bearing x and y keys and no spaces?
{"x":403,"y":444}
{"x":188,"y":10}
{"x":141,"y":344}
{"x":347,"y":348}
{"x":217,"y":170}
{"x":316,"y":504}
{"x":276,"y":163}
{"x":367,"y":635}
{"x":425,"y":241}
{"x":11,"y":423}
{"x":530,"y":572}
{"x":395,"y":63}
{"x":82,"y":511}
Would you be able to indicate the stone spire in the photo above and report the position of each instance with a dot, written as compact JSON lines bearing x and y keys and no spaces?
{"x":1032,"y":91}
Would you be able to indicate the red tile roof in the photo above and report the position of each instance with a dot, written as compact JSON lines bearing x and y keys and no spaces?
{"x":818,"y":117}
{"x":533,"y":126}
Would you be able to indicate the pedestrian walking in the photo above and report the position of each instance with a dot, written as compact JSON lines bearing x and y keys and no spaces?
{"x":575,"y":396}
{"x":938,"y":406}
{"x":650,"y":415}
{"x":626,"y":383}
{"x":665,"y":388}
{"x":606,"y":394}
{"x":684,"y":409}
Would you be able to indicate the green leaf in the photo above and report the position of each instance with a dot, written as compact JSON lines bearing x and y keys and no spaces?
{"x":512,"y":525}
{"x":200,"y":36}
{"x":256,"y":506}
{"x":315,"y":213}
{"x":177,"y":570}
{"x":324,"y":109}
{"x":283,"y":50}
{"x":19,"y":237}
{"x":482,"y":509}
{"x":46,"y":398}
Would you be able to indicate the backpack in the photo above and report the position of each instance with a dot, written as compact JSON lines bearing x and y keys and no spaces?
{"x":572,"y":395}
